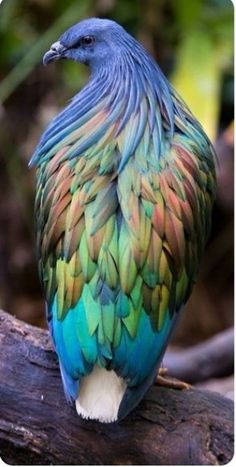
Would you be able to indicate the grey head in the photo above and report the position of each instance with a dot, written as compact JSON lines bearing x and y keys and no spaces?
{"x":93,"y":41}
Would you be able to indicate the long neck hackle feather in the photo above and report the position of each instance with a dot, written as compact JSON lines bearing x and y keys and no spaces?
{"x":130,"y":89}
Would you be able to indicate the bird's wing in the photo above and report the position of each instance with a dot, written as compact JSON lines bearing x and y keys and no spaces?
{"x":75,"y":210}
{"x":166,"y":208}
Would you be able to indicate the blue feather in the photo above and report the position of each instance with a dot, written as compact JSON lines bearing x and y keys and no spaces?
{"x":147,"y":365}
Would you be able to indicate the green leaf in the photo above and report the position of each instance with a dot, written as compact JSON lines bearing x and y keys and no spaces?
{"x":34,"y":55}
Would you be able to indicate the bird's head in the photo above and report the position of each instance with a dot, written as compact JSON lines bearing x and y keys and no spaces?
{"x":93,"y":41}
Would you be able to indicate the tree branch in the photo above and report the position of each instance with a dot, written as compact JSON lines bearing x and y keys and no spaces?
{"x":37,"y":426}
{"x":210,"y":359}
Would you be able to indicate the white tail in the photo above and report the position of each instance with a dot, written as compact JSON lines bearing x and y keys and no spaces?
{"x":100,"y":395}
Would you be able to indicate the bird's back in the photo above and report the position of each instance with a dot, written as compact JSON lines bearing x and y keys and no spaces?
{"x":124,"y":195}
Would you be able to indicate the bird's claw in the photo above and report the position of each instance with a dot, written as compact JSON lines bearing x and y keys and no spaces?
{"x":169,"y":382}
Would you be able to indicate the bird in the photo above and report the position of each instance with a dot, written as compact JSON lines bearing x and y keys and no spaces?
{"x":125,"y":185}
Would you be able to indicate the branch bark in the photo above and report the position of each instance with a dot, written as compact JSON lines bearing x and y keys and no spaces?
{"x":37,"y":426}
{"x":212,"y":358}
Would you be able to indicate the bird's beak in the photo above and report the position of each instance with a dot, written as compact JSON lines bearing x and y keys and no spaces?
{"x":54,"y":53}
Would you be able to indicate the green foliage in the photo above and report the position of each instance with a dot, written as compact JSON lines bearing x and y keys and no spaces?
{"x":203,"y":55}
{"x":34,"y":52}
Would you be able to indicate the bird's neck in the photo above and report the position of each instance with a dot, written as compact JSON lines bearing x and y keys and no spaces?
{"x":126,"y":81}
{"x":126,"y":99}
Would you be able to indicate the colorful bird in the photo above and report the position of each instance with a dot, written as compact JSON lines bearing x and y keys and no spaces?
{"x":125,"y":187}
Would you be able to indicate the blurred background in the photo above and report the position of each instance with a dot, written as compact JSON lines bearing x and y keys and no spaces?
{"x":193,"y":43}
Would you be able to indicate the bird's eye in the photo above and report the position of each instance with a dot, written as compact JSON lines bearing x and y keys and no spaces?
{"x":87,"y":40}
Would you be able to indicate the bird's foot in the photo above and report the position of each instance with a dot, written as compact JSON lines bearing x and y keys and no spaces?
{"x":168,"y":382}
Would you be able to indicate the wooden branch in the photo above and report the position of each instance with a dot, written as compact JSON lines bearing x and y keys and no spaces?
{"x":210,"y":359}
{"x":37,"y":426}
